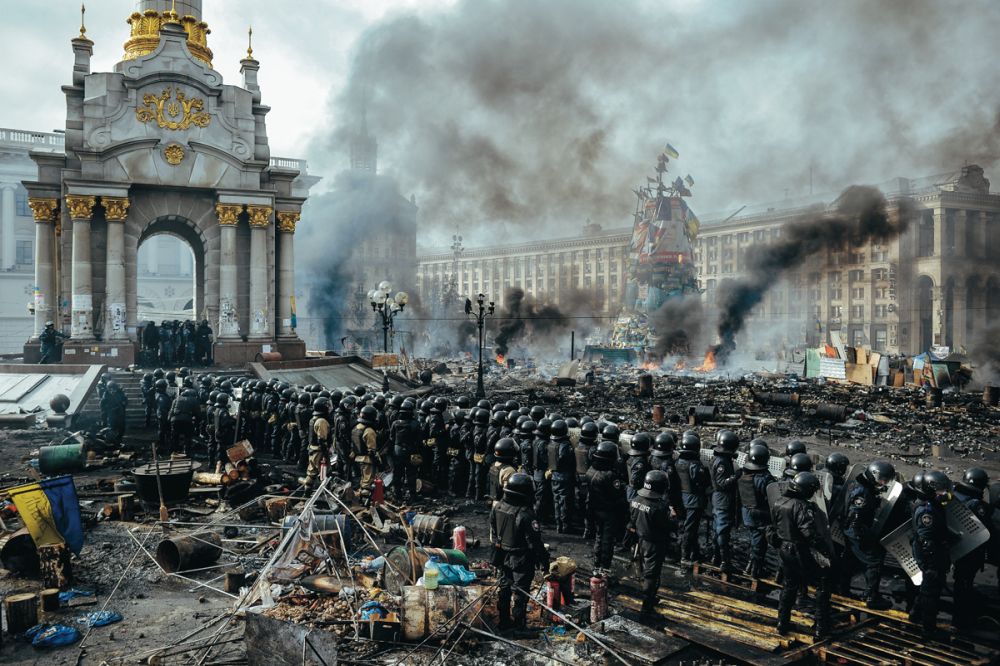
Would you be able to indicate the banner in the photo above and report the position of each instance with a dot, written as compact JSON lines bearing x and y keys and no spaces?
{"x":51,"y":512}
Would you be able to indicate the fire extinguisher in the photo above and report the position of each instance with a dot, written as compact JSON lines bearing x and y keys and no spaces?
{"x":378,"y":491}
{"x":554,"y":598}
{"x":598,"y":599}
{"x":458,"y":538}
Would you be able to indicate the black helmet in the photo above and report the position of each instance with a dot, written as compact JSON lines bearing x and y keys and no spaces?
{"x":336,"y":396}
{"x":464,"y":402}
{"x":606,"y":453}
{"x":664,"y":444}
{"x":227,"y":386}
{"x":800,"y":462}
{"x":572,"y":422}
{"x":521,"y":419}
{"x":184,"y":372}
{"x":555,"y":416}
{"x":880,"y":473}
{"x":654,"y":485}
{"x":499,"y":417}
{"x":757,"y":457}
{"x":527,"y":427}
{"x":727,"y":441}
{"x":379,"y":402}
{"x":426,"y":406}
{"x":408,"y":406}
{"x":519,"y":491}
{"x":690,"y":441}
{"x":640,"y":444}
{"x":484,"y":404}
{"x":937,"y":486}
{"x":397,"y":401}
{"x":460,"y":416}
{"x":482,"y":417}
{"x":537,"y":413}
{"x":523,"y":410}
{"x":441,"y":404}
{"x":805,"y":484}
{"x":512,"y":406}
{"x":348,"y":403}
{"x":190,"y":393}
{"x":977,"y":478}
{"x":916,"y":485}
{"x":589,"y":432}
{"x":305,"y":399}
{"x":324,"y":394}
{"x":836,"y":463}
{"x":287,"y":395}
{"x":158,"y":373}
{"x":171,"y":377}
{"x":559,"y":430}
{"x":321,"y":407}
{"x":160,"y":386}
{"x":793,"y":447}
{"x":504,"y":450}
{"x":147,"y":377}
{"x":222,"y":400}
{"x":213,"y":397}
{"x":544,"y":427}
{"x":512,"y":417}
{"x":359,"y":390}
{"x":611,"y":433}
{"x":369,"y":415}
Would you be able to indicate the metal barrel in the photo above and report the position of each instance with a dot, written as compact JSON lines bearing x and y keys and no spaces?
{"x":62,"y":459}
{"x":991,"y":396}
{"x":431,"y":530}
{"x":702,"y":413}
{"x":935,"y":397}
{"x":399,"y":566}
{"x":189,"y":552}
{"x":828,"y":411}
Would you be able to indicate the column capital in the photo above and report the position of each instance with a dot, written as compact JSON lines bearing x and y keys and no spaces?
{"x":43,"y":210}
{"x":228,"y":213}
{"x":260,"y":216}
{"x":80,"y":207}
{"x":287,"y":219}
{"x":115,"y":208}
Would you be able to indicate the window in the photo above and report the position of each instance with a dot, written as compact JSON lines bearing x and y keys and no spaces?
{"x":949,"y":232}
{"x":856,"y":276}
{"x":727,"y":268}
{"x":836,"y":311}
{"x":833,"y":277}
{"x":743,"y":237}
{"x":835,"y":294}
{"x":856,"y":258}
{"x":727,"y":240}
{"x":21,"y":202}
{"x":881,"y":311}
{"x":881,"y":338}
{"x":881,"y":292}
{"x":814,"y":294}
{"x":857,"y":312}
{"x":925,"y":235}
{"x":23,"y":253}
{"x":858,"y":292}
{"x":880,"y":274}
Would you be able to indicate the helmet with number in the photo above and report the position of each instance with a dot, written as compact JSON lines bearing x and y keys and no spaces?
{"x":836,"y":463}
{"x":589,"y":432}
{"x":408,"y":406}
{"x":654,"y":485}
{"x":527,"y":428}
{"x":348,"y":403}
{"x":368,"y":415}
{"x":158,"y":373}
{"x":793,"y":447}
{"x":537,"y":413}
{"x":482,"y":417}
{"x":757,"y":457}
{"x":464,"y":402}
{"x":976,"y":477}
{"x":498,"y":418}
{"x":605,"y":455}
{"x":640,"y":444}
{"x":484,"y":404}
{"x":611,"y":433}
{"x":800,"y":462}
{"x":727,"y":441}
{"x":512,"y":406}
{"x":305,"y":399}
{"x":879,"y":474}
{"x":222,"y":400}
{"x":519,"y":491}
{"x":504,"y":450}
{"x":664,"y":444}
{"x":160,"y":386}
{"x":544,"y":427}
{"x":559,"y":430}
{"x":321,"y":407}
{"x":690,"y":441}
{"x":804,"y":484}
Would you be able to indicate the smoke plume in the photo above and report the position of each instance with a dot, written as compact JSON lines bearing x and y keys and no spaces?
{"x":985,"y":353}
{"x":542,"y":326}
{"x":680,"y":324}
{"x":860,"y":217}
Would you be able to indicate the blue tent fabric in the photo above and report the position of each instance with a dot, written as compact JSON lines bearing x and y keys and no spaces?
{"x":61,"y":494}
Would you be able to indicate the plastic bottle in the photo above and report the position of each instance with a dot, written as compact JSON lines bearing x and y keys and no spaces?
{"x":431,"y":573}
{"x":458,"y":538}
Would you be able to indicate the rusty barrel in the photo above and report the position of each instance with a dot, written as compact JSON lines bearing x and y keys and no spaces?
{"x":828,"y":411}
{"x":658,"y":414}
{"x":991,"y":395}
{"x":189,"y":552}
{"x":701,"y":413}
{"x":646,"y":386}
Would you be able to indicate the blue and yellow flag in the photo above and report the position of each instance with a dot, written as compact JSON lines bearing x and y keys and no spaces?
{"x":294,"y":322}
{"x":51,"y":512}
{"x":670,"y":150}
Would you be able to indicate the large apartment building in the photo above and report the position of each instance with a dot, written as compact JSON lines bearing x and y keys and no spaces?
{"x":937,"y":284}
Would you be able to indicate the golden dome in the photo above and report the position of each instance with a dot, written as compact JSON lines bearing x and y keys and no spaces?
{"x":145,"y":35}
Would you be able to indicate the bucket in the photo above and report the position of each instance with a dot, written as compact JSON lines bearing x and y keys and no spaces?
{"x":423,"y":611}
{"x":190,"y":552}
{"x":62,"y":459}
{"x":398,"y":566}
{"x":176,"y":476}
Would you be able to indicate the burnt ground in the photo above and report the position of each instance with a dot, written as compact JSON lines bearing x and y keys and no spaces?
{"x":159,"y":610}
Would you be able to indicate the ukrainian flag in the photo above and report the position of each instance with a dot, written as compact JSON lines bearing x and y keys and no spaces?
{"x":51,"y":512}
{"x":670,"y":150}
{"x":294,"y":319}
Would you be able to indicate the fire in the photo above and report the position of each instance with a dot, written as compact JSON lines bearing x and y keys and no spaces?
{"x":708,"y":365}
{"x":500,"y":359}
{"x":680,"y":365}
{"x":650,"y":366}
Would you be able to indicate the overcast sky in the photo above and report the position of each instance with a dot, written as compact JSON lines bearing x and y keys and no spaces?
{"x":528,"y":116}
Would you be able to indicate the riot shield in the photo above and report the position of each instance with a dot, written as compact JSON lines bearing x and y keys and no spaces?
{"x":974,"y":533}
{"x":774,"y":491}
{"x":706,"y":456}
{"x":574,"y":436}
{"x":886,"y":501}
{"x":741,"y":458}
{"x":825,"y":484}
{"x":897,"y":544}
{"x":776,"y":465}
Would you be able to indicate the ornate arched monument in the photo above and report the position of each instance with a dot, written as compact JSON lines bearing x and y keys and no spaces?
{"x":162,"y":145}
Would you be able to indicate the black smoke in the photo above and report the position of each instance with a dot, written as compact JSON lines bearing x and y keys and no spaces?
{"x":542,"y":326}
{"x":860,"y":216}
{"x":680,"y":325}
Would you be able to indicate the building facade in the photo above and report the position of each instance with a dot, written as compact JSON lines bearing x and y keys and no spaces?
{"x":936,"y":284}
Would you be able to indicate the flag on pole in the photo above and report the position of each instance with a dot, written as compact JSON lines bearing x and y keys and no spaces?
{"x":294,"y":319}
{"x":671,"y":151}
{"x":689,"y":180}
{"x":51,"y":512}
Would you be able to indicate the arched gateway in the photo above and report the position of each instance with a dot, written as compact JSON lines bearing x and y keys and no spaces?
{"x":161,"y":145}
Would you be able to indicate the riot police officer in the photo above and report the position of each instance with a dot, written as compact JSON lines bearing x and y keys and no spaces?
{"x":49,"y":340}
{"x":148,"y":398}
{"x":724,"y":481}
{"x":525,"y":445}
{"x":650,"y":521}
{"x":182,"y":416}
{"x":584,"y":452}
{"x":606,"y":503}
{"x":163,"y":404}
{"x":791,"y":448}
{"x":320,"y":438}
{"x":800,"y":462}
{"x":225,"y":432}
{"x":458,"y":464}
{"x":803,"y":552}
{"x":662,"y":458}
{"x":364,"y":446}
{"x":859,"y":527}
{"x":518,"y":548}
{"x":343,"y":425}
{"x":436,"y":442}
{"x":637,"y":464}
{"x":930,"y":544}
{"x":562,"y":474}
{"x":407,"y":441}
{"x":969,"y":491}
{"x":694,"y":480}
{"x":480,"y":441}
{"x":504,"y":457}
{"x":752,"y":487}
{"x":113,"y":405}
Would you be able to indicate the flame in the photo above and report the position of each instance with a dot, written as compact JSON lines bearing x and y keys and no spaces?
{"x":500,"y":359}
{"x":708,"y":365}
{"x":680,"y":364}
{"x":650,"y":365}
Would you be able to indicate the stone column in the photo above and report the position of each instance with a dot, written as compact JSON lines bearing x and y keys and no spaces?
{"x":229,"y":214}
{"x":115,"y":212}
{"x":8,"y":213}
{"x":260,"y":311}
{"x":81,"y":209}
{"x":46,"y":213}
{"x":286,"y":270}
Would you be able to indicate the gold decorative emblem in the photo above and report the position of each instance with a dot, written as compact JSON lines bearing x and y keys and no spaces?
{"x":80,"y":207}
{"x":260,"y":216}
{"x":287,"y":220}
{"x":228,"y":213}
{"x":115,"y":208}
{"x":43,"y":210}
{"x":178,"y":113}
{"x":174,"y":153}
{"x":145,"y":34}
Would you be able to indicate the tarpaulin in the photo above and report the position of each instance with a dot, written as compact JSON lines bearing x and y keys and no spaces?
{"x":51,"y":512}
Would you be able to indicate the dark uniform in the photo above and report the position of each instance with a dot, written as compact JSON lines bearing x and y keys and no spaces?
{"x":163,"y":404}
{"x":969,"y":565}
{"x":582,"y":454}
{"x":480,"y":458}
{"x":562,"y":470}
{"x":636,"y":466}
{"x":518,"y":548}
{"x":932,"y":539}
{"x":113,"y":405}
{"x":49,"y":340}
{"x":407,"y":440}
{"x":650,"y":521}
{"x":756,"y":515}
{"x":724,"y":482}
{"x":225,"y":432}
{"x":693,"y":479}
{"x":458,"y":464}
{"x":148,"y":398}
{"x":606,"y":506}
{"x":539,"y":474}
{"x":862,"y":541}
{"x":182,"y":416}
{"x":434,"y":467}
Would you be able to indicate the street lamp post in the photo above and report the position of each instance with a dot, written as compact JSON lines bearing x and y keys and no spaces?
{"x":483,"y":310}
{"x":387,"y":308}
